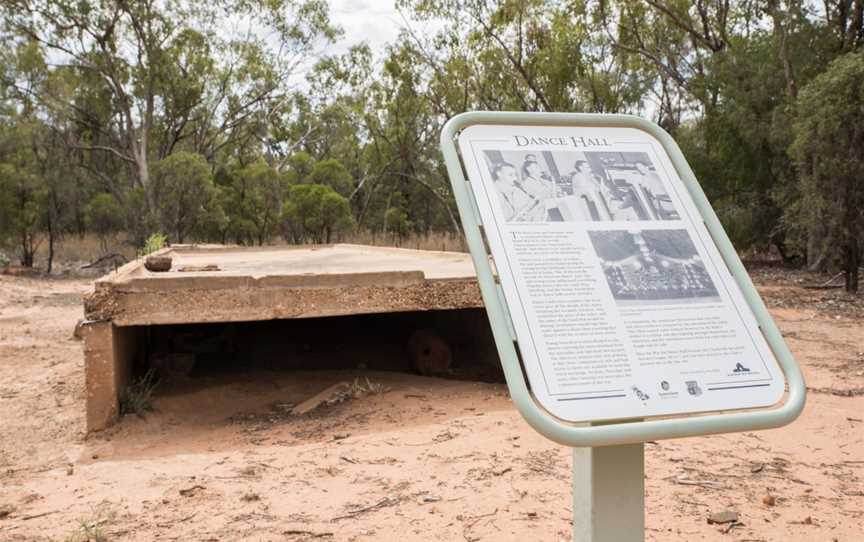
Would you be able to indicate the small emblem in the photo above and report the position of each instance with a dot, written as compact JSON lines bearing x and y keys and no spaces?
{"x":640,"y":394}
{"x":693,"y":388}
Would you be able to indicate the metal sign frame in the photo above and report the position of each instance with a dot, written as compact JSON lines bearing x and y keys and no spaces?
{"x":622,"y":431}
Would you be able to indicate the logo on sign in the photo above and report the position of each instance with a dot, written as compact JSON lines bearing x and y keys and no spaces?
{"x":693,"y":388}
{"x":640,"y":394}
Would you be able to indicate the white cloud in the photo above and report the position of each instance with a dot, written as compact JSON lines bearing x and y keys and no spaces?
{"x":375,"y":22}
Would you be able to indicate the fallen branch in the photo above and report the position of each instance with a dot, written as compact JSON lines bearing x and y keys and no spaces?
{"x":34,"y":516}
{"x":99,"y":261}
{"x":732,"y":526}
{"x":181,"y":520}
{"x":307,"y":533}
{"x":827,"y":283}
{"x":852,"y":392}
{"x":708,"y":484}
{"x":470,"y":525}
{"x":475,"y":519}
{"x":383,"y":503}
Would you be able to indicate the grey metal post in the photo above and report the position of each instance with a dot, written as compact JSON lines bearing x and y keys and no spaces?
{"x":609,"y":493}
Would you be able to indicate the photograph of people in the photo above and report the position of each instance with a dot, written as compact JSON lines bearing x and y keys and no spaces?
{"x":586,"y":187}
{"x":651,"y":184}
{"x":568,"y":186}
{"x":652,"y":265}
{"x":523,"y":194}
{"x":632,"y":189}
{"x":515,"y":200}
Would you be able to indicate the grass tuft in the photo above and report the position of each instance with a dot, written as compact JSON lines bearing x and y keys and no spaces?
{"x":137,"y":398}
{"x":91,"y":529}
{"x":360,"y":388}
{"x":154,"y":242}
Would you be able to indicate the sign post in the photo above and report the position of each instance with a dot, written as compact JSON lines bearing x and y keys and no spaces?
{"x":620,"y":309}
{"x":609,"y":493}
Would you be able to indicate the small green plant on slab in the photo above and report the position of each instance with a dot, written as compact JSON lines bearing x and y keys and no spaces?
{"x":153,"y":243}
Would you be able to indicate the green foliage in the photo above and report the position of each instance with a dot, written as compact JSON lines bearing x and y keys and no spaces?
{"x":253,"y":200}
{"x":829,"y":138}
{"x":22,"y":209}
{"x":215,"y":220}
{"x":154,"y":242}
{"x":332,"y":173}
{"x":315,"y":213}
{"x":153,"y":79}
{"x":299,"y":167}
{"x":103,"y":216}
{"x":397,"y":223}
{"x":139,"y":222}
{"x":183,"y":191}
{"x":176,"y":123}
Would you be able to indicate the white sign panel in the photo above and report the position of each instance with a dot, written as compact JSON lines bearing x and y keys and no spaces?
{"x":621,"y":303}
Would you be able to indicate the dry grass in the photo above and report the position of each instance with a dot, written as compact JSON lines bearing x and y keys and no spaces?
{"x":435,"y":241}
{"x":137,"y":398}
{"x":82,"y":249}
{"x":362,"y":387}
{"x":91,"y":529}
{"x":359,"y":388}
{"x":71,"y":250}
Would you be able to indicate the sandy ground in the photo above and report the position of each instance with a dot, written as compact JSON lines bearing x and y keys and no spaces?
{"x":428,"y":459}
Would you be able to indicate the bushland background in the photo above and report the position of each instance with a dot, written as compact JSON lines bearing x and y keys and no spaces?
{"x":231,"y":121}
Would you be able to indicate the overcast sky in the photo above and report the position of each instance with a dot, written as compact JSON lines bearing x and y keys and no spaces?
{"x":375,"y":21}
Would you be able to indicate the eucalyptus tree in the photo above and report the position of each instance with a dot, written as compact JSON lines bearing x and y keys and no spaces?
{"x":183,"y":186}
{"x":37,"y":166}
{"x":253,"y":201}
{"x":829,"y":138}
{"x":103,"y":215}
{"x":316,"y":213}
{"x":22,"y":195}
{"x":148,"y":77}
{"x":529,"y":55}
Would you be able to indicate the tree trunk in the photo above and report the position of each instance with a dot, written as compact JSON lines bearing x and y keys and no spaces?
{"x":854,"y":31}
{"x":139,"y":153}
{"x":783,"y":50}
{"x":28,"y":252}
{"x":816,"y":253}
{"x":853,"y":262}
{"x":50,"y":247}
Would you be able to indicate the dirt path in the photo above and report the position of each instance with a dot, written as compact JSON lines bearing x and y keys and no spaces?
{"x":425,"y":460}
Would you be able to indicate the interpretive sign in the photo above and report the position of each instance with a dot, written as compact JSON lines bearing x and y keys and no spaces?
{"x":621,"y":303}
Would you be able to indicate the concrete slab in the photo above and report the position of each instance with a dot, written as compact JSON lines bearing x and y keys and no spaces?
{"x":209,"y":284}
{"x":274,"y":283}
{"x":323,"y":260}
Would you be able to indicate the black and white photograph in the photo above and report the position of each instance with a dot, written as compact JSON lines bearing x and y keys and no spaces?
{"x":564,"y":186}
{"x":652,"y":265}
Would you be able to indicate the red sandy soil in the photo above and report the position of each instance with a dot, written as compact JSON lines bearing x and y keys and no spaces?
{"x":428,"y":459}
